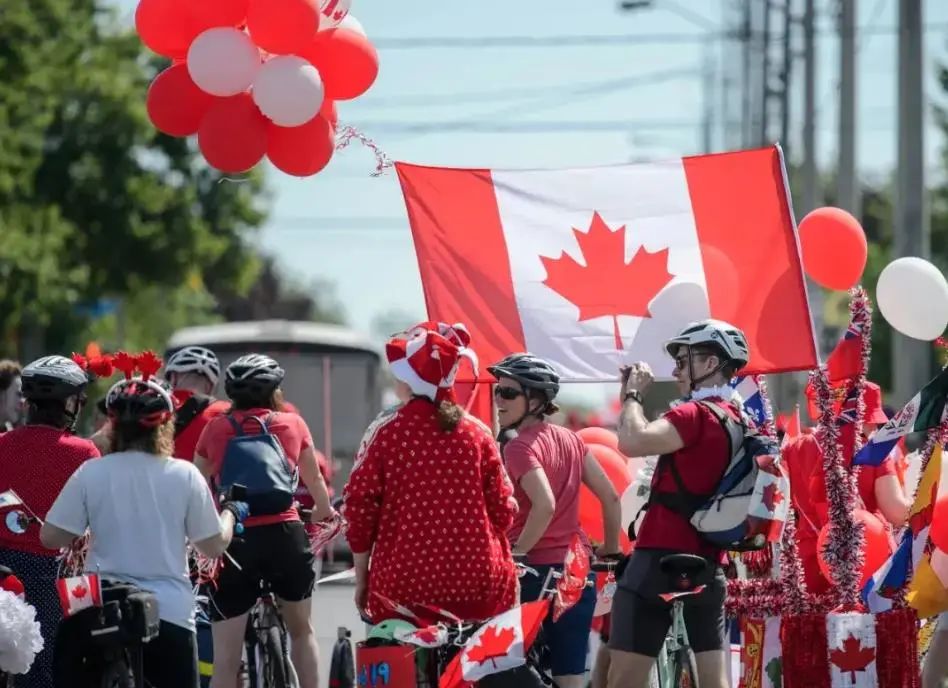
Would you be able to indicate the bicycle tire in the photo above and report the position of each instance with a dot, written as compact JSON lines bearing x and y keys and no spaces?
{"x":117,"y":674}
{"x":274,"y":660}
{"x":684,"y":669}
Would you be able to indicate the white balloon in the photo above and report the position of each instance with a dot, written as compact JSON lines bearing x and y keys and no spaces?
{"x":223,"y":61}
{"x":333,"y":12}
{"x":288,"y":90}
{"x":353,"y":24}
{"x":912,"y":295}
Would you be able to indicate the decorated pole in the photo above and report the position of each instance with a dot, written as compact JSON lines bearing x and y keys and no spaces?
{"x":843,"y":551}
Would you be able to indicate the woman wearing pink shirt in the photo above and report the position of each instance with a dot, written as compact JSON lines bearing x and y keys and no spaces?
{"x":548,"y":464}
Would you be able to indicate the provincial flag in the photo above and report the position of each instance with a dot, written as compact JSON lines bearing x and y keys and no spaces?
{"x":592,"y":268}
{"x":924,"y":411}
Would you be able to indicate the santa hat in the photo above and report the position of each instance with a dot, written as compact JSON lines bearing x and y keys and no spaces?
{"x":427,"y":357}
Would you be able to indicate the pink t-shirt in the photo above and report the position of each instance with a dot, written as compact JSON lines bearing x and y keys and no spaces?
{"x":560,"y":453}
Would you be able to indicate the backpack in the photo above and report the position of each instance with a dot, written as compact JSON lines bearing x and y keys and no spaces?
{"x":258,"y":462}
{"x":190,"y":409}
{"x":748,"y":508}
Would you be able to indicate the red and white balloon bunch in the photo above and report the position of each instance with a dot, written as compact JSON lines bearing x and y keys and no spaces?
{"x":256,"y":77}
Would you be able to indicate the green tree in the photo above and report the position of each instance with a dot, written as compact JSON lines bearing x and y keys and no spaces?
{"x":93,"y":201}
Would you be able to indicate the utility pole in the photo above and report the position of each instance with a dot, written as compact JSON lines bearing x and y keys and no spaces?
{"x":785,"y":74}
{"x":911,"y":359}
{"x":707,"y":94}
{"x":746,"y":86}
{"x":847,"y":181}
{"x":762,"y":139}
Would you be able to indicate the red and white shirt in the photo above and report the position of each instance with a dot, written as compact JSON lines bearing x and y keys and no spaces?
{"x":36,"y":461}
{"x":434,"y":508}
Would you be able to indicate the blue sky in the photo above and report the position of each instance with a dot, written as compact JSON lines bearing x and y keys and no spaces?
{"x":350,"y":229}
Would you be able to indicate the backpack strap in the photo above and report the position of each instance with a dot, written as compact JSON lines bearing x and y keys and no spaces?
{"x":190,"y":410}
{"x":685,"y":502}
{"x":239,"y":428}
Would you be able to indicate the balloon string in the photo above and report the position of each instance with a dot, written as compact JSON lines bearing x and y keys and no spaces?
{"x":346,"y":136}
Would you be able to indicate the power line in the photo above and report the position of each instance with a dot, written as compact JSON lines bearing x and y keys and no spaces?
{"x":599,"y":41}
{"x":580,"y":88}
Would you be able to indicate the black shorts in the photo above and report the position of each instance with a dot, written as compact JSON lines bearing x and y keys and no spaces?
{"x":168,"y":661}
{"x":279,"y":554}
{"x":641,"y":619}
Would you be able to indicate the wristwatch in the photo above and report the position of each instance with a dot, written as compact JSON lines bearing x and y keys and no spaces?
{"x":635,"y":395}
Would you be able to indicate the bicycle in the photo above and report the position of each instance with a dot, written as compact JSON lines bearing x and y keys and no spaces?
{"x":266,"y":642}
{"x":676,"y":662}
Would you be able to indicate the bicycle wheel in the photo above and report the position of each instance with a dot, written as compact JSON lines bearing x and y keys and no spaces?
{"x":117,"y":675}
{"x":684,"y":670}
{"x":274,"y":660}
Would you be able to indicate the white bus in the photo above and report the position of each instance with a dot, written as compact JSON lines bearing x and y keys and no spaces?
{"x":333,"y":376}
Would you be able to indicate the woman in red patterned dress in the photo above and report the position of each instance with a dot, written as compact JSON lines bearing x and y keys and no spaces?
{"x":429,"y":499}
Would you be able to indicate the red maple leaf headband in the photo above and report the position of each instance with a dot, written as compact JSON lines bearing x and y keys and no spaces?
{"x":146,"y":364}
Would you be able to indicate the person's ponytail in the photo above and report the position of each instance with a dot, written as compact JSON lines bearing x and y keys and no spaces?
{"x":449,"y":415}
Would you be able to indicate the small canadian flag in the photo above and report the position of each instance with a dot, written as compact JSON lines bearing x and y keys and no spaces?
{"x":79,"y":592}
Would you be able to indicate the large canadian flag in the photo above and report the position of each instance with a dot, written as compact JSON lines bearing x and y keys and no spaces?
{"x":593,"y":268}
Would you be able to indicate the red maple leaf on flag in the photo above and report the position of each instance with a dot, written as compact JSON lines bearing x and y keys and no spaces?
{"x":492,"y":644}
{"x":429,"y":635}
{"x":79,"y":591}
{"x":607,"y":284}
{"x":852,"y":657}
{"x":772,"y":497}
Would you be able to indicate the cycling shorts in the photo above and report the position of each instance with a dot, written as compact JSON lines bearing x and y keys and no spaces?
{"x":641,"y":619}
{"x":279,"y":554}
{"x":567,"y":640}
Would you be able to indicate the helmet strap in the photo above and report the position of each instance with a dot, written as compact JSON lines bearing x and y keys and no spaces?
{"x":691,"y":371}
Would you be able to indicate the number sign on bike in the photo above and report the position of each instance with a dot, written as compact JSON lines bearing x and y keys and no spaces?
{"x":388,"y":666}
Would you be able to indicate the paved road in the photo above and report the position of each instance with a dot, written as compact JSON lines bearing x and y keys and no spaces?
{"x":333,"y":607}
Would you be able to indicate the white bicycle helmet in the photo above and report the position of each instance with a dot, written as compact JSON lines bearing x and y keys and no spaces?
{"x":53,"y":377}
{"x":713,"y":333}
{"x":195,"y":359}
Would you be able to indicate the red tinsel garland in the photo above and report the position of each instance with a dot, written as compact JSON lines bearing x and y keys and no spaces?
{"x":897,"y":664}
{"x":793,"y":582}
{"x":860,"y":316}
{"x":767,"y":428}
{"x":843,"y":551}
{"x":803,"y":642}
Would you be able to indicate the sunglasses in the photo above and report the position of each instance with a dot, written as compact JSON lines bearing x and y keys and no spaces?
{"x":508,"y":393}
{"x":682,"y":361}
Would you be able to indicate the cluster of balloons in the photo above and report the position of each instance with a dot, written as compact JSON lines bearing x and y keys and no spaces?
{"x":256,"y":77}
{"x":912,"y":294}
{"x":603,"y":444}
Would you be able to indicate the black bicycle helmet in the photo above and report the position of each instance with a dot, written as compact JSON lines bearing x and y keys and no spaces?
{"x":532,"y":372}
{"x":253,"y":375}
{"x":146,"y":402}
{"x":53,"y":378}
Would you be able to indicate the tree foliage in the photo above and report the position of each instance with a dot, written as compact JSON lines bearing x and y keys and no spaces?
{"x":94,"y":202}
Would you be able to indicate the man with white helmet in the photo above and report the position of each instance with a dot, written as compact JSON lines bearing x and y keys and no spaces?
{"x":193,"y":373}
{"x":694,"y":451}
{"x":36,"y":460}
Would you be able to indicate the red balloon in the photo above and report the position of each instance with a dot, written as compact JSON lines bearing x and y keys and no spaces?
{"x":834,"y":248}
{"x":175,"y":104}
{"x":330,"y":111}
{"x":346,"y":60}
{"x":166,"y":26}
{"x":939,"y":528}
{"x":283,"y":26}
{"x":590,"y":511}
{"x":877,"y":547}
{"x":304,"y":150}
{"x":209,"y":14}
{"x":233,"y":134}
{"x":593,"y":435}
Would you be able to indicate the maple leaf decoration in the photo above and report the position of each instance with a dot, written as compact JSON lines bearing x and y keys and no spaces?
{"x":772,"y":497}
{"x":79,"y":591}
{"x":607,"y":285}
{"x":428,"y":635}
{"x":852,"y":657}
{"x":492,"y":644}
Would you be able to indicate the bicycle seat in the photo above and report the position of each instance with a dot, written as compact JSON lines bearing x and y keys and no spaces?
{"x":683,"y":566}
